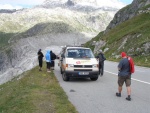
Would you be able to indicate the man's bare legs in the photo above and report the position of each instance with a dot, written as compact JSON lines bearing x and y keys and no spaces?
{"x":129,"y":93}
{"x":119,"y":91}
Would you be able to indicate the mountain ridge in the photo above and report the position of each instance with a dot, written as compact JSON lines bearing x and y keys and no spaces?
{"x":131,"y":34}
{"x":127,"y":13}
{"x":76,"y":5}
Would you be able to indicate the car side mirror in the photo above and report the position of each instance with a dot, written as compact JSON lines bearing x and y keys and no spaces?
{"x":57,"y":57}
{"x":63,"y":56}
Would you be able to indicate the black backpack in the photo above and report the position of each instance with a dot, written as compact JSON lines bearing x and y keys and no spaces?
{"x":101,"y":57}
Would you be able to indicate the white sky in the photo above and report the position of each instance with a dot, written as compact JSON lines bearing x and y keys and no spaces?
{"x":17,"y":4}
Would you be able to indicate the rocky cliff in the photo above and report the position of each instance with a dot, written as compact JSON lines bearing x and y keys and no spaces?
{"x":128,"y":31}
{"x":126,"y":13}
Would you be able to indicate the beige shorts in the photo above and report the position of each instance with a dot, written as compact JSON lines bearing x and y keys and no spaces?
{"x":126,"y":79}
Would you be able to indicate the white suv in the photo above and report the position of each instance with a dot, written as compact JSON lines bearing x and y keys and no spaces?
{"x":78,"y":62}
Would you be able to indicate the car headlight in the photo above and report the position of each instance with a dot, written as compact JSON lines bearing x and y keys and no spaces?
{"x":95,"y":65}
{"x":69,"y":65}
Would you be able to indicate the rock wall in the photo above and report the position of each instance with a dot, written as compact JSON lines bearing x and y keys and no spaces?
{"x":127,"y":13}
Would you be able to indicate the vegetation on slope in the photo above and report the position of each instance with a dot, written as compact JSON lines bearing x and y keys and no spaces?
{"x":38,"y":29}
{"x":4,"y":39}
{"x":34,"y":92}
{"x":45,"y":28}
{"x":135,"y":34}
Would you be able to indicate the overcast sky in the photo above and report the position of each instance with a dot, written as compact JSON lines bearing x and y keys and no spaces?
{"x":17,"y":4}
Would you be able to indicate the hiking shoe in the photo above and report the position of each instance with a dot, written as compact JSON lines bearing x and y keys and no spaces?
{"x":118,"y":94}
{"x":128,"y":98}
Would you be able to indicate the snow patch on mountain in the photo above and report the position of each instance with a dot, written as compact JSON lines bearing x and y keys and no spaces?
{"x":94,"y":3}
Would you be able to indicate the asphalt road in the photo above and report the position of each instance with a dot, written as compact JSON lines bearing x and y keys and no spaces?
{"x":99,"y":96}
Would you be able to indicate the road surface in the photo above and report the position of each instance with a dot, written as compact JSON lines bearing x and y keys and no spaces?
{"x":99,"y":96}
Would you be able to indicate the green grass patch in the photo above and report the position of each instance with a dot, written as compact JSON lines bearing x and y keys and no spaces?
{"x":34,"y":92}
{"x":10,"y":26}
{"x":4,"y":38}
{"x":145,"y":8}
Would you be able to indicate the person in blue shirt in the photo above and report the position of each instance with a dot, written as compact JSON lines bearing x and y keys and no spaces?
{"x":48,"y":60}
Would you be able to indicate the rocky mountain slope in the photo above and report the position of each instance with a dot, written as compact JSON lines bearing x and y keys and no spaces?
{"x":128,"y":12}
{"x":47,"y":26}
{"x":128,"y":31}
{"x":7,"y":11}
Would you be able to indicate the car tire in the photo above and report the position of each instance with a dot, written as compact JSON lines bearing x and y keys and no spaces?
{"x":65,"y":78}
{"x":94,"y":79}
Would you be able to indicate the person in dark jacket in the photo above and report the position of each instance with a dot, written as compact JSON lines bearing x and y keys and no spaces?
{"x":101,"y":59}
{"x":53,"y":57}
{"x":124,"y":75}
{"x":40,"y":59}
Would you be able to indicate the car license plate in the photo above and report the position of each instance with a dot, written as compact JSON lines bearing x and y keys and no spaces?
{"x":83,"y":73}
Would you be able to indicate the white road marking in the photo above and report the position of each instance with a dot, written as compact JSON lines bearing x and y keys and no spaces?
{"x":131,"y":78}
{"x":139,"y":70}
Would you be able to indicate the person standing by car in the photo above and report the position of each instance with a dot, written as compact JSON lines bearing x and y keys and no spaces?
{"x":124,"y":75}
{"x":48,"y":60}
{"x":101,"y":58}
{"x":40,"y":59}
{"x":53,"y":57}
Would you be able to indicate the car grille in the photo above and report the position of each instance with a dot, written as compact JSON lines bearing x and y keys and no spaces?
{"x":83,"y":66}
{"x":82,"y":69}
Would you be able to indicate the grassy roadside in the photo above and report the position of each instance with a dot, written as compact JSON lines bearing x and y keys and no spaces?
{"x":34,"y":92}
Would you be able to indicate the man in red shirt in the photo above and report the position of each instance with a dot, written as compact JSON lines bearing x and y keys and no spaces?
{"x":124,"y":75}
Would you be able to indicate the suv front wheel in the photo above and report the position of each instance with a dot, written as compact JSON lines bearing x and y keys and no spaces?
{"x":65,"y":78}
{"x":94,"y":79}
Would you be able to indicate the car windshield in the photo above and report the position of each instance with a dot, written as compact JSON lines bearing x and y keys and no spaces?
{"x":79,"y":53}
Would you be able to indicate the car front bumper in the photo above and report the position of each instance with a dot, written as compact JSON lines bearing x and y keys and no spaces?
{"x":82,"y":74}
